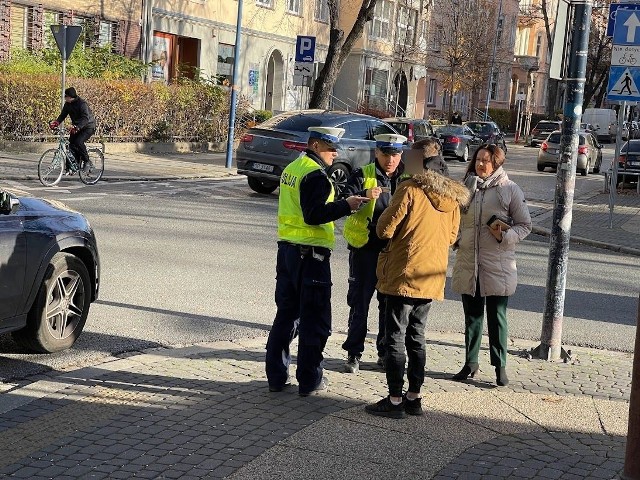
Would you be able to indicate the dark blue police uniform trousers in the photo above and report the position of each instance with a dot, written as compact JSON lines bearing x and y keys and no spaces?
{"x":303,"y":300}
{"x":362,"y":284}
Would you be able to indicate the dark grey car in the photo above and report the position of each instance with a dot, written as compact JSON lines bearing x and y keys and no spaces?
{"x":415,"y":129}
{"x":266,"y":149}
{"x":542,"y":130}
{"x":49,"y":272}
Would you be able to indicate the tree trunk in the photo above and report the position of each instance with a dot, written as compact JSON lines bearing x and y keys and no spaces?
{"x":323,"y":85}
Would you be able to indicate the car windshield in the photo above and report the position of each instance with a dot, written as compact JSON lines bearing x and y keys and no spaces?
{"x":295,"y":123}
{"x":631,"y":147}
{"x":449,"y":129}
{"x":555,"y":138}
{"x":480,"y":127}
{"x":547,"y":126}
{"x":402,"y":128}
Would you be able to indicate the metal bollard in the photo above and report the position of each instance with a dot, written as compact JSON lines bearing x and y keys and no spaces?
{"x":632,"y":455}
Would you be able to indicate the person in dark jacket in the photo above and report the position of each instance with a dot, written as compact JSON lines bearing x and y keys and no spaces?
{"x":83,"y":124}
{"x":456,"y":119}
{"x":431,"y":151}
{"x":376,"y":181}
{"x":306,"y":212}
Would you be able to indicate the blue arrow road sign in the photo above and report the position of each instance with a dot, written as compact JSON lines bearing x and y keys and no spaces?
{"x":305,"y":49}
{"x":613,"y":11}
{"x":626,"y":30}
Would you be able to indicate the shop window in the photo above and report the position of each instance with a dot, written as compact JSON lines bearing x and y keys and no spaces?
{"x":225,"y":62}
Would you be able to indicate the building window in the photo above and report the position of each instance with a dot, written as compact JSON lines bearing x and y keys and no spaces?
{"x":19,"y":27}
{"x":265,"y":3}
{"x":225,"y":62}
{"x":293,"y":6}
{"x":379,"y":27}
{"x":538,"y":45}
{"x":406,"y":34}
{"x":436,"y":40}
{"x":107,"y":34}
{"x":322,"y":11}
{"x":375,"y":87}
{"x":494,"y":86}
{"x":50,"y":18}
{"x":431,"y":94}
{"x":500,"y":29}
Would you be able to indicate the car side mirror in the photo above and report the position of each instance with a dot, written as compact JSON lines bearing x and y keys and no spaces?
{"x":8,"y":204}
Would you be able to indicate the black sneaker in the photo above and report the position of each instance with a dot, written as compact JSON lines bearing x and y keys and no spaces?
{"x":352,"y":365}
{"x":321,"y":387}
{"x":413,"y":407}
{"x":384,"y":408}
{"x":380,"y":361}
{"x":279,"y":388}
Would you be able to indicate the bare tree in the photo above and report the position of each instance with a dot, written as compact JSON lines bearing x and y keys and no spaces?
{"x":598,"y":58}
{"x":465,"y":35}
{"x":339,"y":49}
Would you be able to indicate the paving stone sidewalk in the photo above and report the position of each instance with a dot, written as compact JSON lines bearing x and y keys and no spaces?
{"x":205,"y":412}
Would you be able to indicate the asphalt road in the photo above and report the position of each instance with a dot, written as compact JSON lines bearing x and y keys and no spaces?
{"x":194,"y":261}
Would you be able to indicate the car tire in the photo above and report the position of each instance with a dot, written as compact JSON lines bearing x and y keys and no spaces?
{"x":465,"y":154}
{"x":540,"y":168}
{"x":339,"y":174}
{"x":61,"y":307}
{"x":596,"y":169}
{"x":261,"y":186}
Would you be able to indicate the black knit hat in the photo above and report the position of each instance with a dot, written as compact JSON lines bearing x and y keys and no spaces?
{"x":70,"y":92}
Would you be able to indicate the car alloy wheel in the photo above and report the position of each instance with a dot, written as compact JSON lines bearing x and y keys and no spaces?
{"x":60,"y":310}
{"x":339,"y":173}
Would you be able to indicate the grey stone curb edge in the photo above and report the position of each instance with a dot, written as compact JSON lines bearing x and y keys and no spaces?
{"x":592,"y":243}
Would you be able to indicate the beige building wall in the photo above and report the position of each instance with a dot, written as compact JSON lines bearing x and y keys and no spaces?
{"x":207,"y":33}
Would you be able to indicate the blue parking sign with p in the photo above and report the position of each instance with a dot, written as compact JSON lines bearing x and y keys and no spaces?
{"x":305,"y":49}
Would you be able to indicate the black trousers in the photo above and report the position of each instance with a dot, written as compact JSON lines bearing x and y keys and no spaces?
{"x":303,"y":300}
{"x":406,"y":320}
{"x":362,"y":285}
{"x":76,"y":143}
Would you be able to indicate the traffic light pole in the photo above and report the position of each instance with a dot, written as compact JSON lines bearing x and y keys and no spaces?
{"x":234,"y":89}
{"x":550,"y":347}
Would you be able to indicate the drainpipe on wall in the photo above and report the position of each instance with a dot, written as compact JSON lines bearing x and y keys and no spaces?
{"x":147,"y":36}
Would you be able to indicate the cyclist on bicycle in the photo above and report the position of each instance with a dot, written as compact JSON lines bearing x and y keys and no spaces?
{"x":83,"y":124}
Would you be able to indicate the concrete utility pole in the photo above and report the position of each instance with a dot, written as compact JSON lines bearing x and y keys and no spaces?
{"x":234,"y":89}
{"x":632,"y":457}
{"x":550,"y":347}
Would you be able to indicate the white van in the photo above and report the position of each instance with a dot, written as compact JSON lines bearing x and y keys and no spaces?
{"x":604,"y":120}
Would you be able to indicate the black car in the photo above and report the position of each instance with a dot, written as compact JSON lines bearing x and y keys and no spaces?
{"x":265,"y":150}
{"x":629,"y":162}
{"x":49,"y":272}
{"x":458,"y":141}
{"x":542,"y":130}
{"x":415,"y":129}
{"x":489,"y":132}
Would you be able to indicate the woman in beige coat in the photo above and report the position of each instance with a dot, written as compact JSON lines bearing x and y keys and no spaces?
{"x":485,"y":265}
{"x":421,"y":224}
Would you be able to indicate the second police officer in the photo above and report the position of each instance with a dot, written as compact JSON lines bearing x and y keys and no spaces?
{"x":376,"y":181}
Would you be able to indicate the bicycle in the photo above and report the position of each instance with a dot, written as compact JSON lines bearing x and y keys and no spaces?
{"x":55,"y":162}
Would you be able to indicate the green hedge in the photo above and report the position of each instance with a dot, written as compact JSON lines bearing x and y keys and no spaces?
{"x":125,"y":110}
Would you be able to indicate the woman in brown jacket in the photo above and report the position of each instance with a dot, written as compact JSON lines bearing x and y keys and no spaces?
{"x":421,"y":224}
{"x":484,"y":271}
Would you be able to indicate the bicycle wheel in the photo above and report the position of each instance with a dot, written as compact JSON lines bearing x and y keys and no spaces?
{"x":93,"y":169}
{"x":51,"y":167}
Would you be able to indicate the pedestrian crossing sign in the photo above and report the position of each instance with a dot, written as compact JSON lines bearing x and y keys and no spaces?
{"x":623,"y":84}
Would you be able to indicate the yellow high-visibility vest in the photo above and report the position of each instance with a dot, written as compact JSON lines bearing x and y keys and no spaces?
{"x":356,"y":227}
{"x":291,"y":225}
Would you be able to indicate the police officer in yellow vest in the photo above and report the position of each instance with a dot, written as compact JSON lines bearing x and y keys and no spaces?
{"x":377,"y":181}
{"x":306,"y":211}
